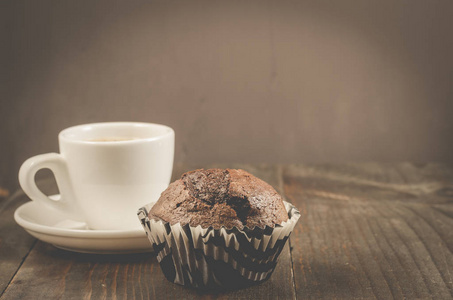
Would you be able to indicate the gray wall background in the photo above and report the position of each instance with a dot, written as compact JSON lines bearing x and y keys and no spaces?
{"x":239,"y":81}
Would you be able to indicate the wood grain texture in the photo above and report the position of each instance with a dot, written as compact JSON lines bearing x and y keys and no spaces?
{"x":370,"y":231}
{"x":15,"y":243}
{"x":51,"y":273}
{"x":367,"y":231}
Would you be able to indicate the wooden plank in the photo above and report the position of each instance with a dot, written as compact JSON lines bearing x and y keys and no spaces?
{"x":15,"y":243}
{"x":372,"y":230}
{"x":53,"y":273}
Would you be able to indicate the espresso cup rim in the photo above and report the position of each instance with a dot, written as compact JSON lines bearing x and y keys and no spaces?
{"x":64,"y":134}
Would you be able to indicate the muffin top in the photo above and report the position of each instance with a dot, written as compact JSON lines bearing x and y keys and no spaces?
{"x":217,"y":197}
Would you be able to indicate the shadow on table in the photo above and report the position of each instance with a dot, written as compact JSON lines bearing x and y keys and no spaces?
{"x":138,"y":272}
{"x":127,"y":258}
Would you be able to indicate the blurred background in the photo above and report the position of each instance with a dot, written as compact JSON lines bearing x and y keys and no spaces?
{"x":239,"y":81}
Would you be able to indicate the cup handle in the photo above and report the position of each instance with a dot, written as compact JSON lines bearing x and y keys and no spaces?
{"x":56,"y":163}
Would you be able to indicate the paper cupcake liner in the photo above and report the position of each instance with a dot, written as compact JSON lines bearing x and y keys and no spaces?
{"x":209,"y":258}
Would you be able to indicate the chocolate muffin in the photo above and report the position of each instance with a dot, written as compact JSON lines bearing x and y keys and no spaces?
{"x":217,"y":197}
{"x":218,"y":229}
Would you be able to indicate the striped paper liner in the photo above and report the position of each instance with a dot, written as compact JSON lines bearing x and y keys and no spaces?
{"x":209,"y":258}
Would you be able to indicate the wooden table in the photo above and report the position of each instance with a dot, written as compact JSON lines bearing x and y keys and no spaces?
{"x":366,"y":231}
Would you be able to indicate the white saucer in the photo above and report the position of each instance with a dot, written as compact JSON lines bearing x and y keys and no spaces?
{"x":45,"y":225}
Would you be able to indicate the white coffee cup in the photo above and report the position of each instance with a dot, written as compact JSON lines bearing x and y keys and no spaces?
{"x":105,"y":172}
